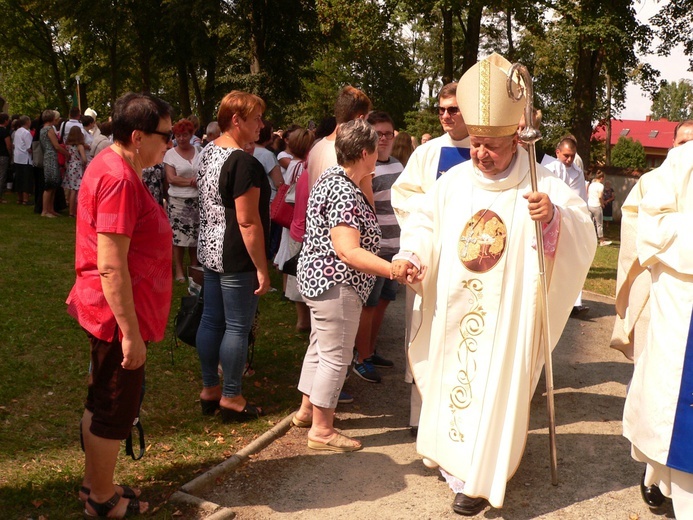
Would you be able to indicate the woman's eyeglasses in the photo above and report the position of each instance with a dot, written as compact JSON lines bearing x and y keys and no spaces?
{"x":168,"y":136}
{"x":453,"y":111}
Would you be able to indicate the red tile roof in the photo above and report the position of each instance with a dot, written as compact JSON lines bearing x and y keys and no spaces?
{"x":651,"y":134}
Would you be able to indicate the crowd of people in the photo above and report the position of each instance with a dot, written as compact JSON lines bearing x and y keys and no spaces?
{"x":453,"y":219}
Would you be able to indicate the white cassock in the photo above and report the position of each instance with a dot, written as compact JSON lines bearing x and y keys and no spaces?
{"x":658,"y":415}
{"x":632,"y":280}
{"x":480,"y":315}
{"x":427,"y":163}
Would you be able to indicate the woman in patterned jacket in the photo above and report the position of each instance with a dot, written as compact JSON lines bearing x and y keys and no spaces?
{"x":336,"y":272}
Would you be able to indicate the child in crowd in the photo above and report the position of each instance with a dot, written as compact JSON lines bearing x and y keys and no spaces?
{"x":74,"y":169}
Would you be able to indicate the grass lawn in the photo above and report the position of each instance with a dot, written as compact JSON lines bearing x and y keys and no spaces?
{"x":43,"y":368}
{"x":602,"y":276}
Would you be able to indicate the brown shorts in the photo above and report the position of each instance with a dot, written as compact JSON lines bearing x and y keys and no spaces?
{"x":114,"y":393}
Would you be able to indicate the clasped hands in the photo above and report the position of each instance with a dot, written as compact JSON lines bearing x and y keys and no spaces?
{"x":405,"y":272}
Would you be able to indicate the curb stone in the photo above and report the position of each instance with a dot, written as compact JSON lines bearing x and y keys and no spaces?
{"x":187,"y":494}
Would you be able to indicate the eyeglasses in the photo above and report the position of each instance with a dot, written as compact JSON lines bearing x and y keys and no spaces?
{"x":453,"y":111}
{"x":386,"y":135}
{"x":168,"y":136}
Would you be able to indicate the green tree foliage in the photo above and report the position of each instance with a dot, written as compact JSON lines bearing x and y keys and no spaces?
{"x":362,"y":51}
{"x":420,"y":122}
{"x":296,"y":54}
{"x":673,"y":101}
{"x":36,"y":61}
{"x":674,"y":24}
{"x":570,"y":56}
{"x":628,"y":153}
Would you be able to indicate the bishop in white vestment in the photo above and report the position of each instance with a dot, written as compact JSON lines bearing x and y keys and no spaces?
{"x":476,"y":356}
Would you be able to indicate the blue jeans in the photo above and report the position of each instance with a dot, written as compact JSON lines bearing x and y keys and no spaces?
{"x":229,"y":311}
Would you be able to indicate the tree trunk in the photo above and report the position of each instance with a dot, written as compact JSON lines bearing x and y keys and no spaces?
{"x":183,"y":88}
{"x":447,"y":46}
{"x":589,"y":64}
{"x":470,"y":54}
{"x":113,"y":58}
{"x":209,"y":99}
{"x":145,"y":70}
{"x":198,"y":91}
{"x":608,"y":120}
{"x":257,"y":36}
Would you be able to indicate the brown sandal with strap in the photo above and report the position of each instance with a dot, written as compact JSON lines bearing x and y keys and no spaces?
{"x":127,"y":492}
{"x":102,"y":509}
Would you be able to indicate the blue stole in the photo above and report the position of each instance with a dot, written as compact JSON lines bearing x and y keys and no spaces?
{"x":681,"y":447}
{"x":451,"y":156}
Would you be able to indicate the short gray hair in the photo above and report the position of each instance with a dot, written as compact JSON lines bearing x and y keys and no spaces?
{"x":213,"y":128}
{"x":353,"y":137}
{"x":48,"y":115}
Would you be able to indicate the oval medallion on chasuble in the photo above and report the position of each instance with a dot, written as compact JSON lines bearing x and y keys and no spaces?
{"x":482,"y":241}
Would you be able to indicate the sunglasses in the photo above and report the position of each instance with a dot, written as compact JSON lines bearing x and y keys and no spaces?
{"x":168,"y":136}
{"x":453,"y":111}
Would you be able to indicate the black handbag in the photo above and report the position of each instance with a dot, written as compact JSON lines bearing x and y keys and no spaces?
{"x":290,"y":267}
{"x":188,"y":318}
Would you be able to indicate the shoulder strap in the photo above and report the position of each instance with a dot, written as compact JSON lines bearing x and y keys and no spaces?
{"x":297,"y":172}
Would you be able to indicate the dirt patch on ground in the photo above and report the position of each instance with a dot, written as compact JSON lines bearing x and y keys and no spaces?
{"x":597,"y":477}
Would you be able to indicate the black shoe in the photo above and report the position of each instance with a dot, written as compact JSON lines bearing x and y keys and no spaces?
{"x":652,"y":495}
{"x":380,"y":362}
{"x":468,"y":506}
{"x":209,"y":407}
{"x":249,"y":413}
{"x":579,"y":311}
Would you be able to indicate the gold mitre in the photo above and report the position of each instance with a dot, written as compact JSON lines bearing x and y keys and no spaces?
{"x":482,"y":95}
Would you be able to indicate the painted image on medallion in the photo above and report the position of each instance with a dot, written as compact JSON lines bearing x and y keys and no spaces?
{"x":482,"y":241}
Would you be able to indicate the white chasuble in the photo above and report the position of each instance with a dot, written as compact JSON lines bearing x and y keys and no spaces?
{"x":476,"y":355}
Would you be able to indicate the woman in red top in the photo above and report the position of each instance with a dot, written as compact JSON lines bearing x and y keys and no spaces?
{"x":122,"y":293}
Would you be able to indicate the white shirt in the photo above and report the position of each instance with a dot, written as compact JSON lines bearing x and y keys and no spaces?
{"x":184,"y":168}
{"x":268,"y":161}
{"x":594,"y":194}
{"x":284,"y":155}
{"x":88,"y":138}
{"x":572,"y":176}
{"x":22,"y":146}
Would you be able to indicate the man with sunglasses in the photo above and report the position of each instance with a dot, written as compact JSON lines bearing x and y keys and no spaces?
{"x":428,"y":162}
{"x":433,"y":158}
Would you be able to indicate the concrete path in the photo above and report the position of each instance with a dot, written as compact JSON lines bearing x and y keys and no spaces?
{"x":387,"y":480}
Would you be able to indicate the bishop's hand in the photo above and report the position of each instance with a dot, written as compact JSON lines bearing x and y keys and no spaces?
{"x":540,"y":206}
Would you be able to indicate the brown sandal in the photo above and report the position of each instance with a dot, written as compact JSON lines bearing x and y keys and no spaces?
{"x":128,"y":492}
{"x":338,"y":442}
{"x":102,"y":509}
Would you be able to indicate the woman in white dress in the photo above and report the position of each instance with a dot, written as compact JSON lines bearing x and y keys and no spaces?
{"x":183,"y":201}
